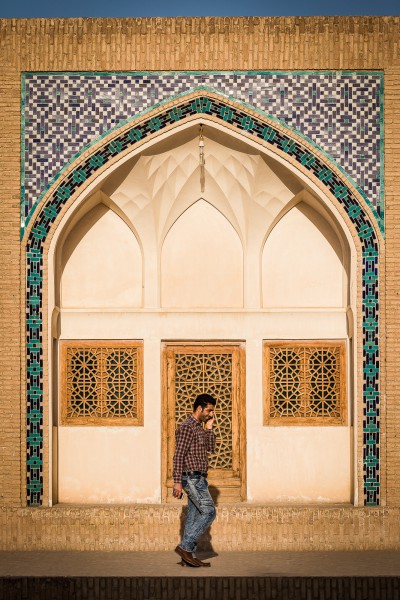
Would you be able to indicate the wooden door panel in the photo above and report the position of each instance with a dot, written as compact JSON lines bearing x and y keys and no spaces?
{"x":216,"y":369}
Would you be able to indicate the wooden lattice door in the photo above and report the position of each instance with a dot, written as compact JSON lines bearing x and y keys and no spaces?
{"x":216,"y":369}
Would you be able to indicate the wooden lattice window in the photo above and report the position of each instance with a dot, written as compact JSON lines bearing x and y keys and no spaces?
{"x":305,"y":383}
{"x":211,"y":374}
{"x":216,"y":369}
{"x":101,"y":383}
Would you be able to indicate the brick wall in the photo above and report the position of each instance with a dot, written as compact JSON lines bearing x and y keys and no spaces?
{"x":10,"y":314}
{"x":392,"y":199}
{"x":201,"y":43}
{"x":185,"y":43}
{"x":238,"y":527}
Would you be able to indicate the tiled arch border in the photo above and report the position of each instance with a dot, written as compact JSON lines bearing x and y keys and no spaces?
{"x":209,"y":105}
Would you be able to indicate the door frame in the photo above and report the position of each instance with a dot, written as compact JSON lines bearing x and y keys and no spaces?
{"x":239,"y":400}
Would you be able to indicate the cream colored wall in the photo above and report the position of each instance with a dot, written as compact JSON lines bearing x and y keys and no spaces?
{"x":246,"y":194}
{"x":191,"y":277}
{"x":110,"y":466}
{"x":102,"y":263}
{"x":101,"y":465}
{"x":293,"y":464}
{"x":302,"y":464}
{"x":302,"y":262}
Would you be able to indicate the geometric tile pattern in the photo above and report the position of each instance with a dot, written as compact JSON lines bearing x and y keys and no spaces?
{"x":339,"y":111}
{"x":237,"y":116}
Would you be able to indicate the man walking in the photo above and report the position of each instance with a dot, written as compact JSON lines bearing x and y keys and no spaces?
{"x":193,"y":442}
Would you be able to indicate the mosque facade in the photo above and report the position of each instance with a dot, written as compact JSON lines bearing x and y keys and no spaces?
{"x":200,"y":205}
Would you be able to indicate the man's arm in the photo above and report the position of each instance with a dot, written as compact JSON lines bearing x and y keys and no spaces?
{"x":210,"y":435}
{"x":210,"y":439}
{"x":183,"y":437}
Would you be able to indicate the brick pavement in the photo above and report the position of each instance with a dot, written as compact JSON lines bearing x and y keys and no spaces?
{"x":227,"y":564}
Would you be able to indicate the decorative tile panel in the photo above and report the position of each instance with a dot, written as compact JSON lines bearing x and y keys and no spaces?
{"x":341,"y":112}
{"x":236,"y":116}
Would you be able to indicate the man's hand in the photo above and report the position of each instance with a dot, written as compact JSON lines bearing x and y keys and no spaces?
{"x":210,"y":423}
{"x":177,"y":491}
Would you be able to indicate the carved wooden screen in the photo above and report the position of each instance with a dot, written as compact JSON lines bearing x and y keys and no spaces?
{"x":101,"y":383}
{"x":218,"y":370}
{"x":305,"y":383}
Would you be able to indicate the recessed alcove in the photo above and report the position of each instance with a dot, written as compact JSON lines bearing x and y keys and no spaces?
{"x":303,"y":264}
{"x":101,"y":263}
{"x":202,"y":261}
{"x":256,"y":255}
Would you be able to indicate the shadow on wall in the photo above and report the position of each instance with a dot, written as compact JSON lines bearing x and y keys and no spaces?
{"x":205,"y":542}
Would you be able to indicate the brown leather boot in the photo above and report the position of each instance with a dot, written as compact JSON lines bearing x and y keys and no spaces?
{"x":202,"y":563}
{"x":187,"y":557}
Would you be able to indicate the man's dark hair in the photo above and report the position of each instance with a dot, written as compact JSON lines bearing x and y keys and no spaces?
{"x":203,"y":400}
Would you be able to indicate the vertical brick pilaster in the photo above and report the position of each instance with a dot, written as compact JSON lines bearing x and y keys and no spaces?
{"x":392,"y":199}
{"x":10,"y":314}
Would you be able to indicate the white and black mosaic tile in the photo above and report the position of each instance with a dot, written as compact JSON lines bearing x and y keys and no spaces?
{"x":340,"y":112}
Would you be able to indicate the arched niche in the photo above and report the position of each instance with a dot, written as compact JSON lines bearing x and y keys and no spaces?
{"x":361,"y":235}
{"x":202,"y":261}
{"x":100,"y":263}
{"x":303,"y":262}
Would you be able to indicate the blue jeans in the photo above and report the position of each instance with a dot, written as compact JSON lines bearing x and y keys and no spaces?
{"x":201,"y":510}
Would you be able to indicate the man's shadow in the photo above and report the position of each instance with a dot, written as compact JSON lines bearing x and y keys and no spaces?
{"x":204,"y":545}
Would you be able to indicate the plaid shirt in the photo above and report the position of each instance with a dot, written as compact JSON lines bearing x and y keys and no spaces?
{"x":192,"y":444}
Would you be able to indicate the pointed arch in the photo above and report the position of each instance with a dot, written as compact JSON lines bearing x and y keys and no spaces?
{"x":269,"y":136}
{"x":101,"y":263}
{"x":202,"y":261}
{"x":342,"y":244}
{"x":302,"y":262}
{"x":84,"y":238}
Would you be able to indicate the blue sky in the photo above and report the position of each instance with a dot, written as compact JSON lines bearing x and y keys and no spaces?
{"x":162,"y":8}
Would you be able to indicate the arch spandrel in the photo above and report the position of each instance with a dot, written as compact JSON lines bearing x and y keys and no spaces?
{"x":208,"y":106}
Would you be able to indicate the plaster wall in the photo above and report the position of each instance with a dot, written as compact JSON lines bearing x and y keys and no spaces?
{"x":302,"y":262}
{"x":284,"y":464}
{"x":199,"y":248}
{"x":102,"y":263}
{"x":202,"y":261}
